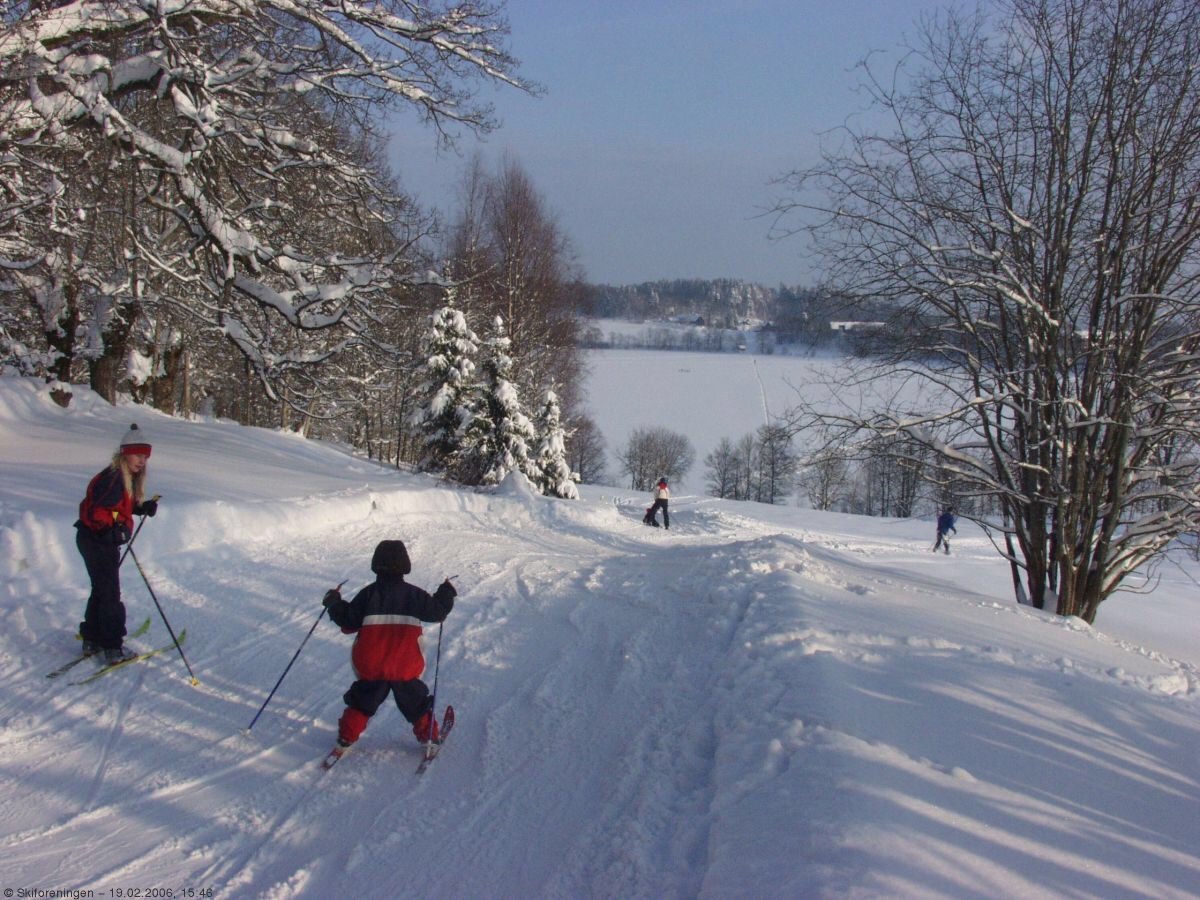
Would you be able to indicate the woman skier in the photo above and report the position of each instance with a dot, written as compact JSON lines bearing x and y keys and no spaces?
{"x":114,"y":496}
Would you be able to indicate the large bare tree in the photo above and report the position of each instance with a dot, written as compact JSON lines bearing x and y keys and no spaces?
{"x":1033,"y":211}
{"x":512,"y":259}
{"x":653,"y":453}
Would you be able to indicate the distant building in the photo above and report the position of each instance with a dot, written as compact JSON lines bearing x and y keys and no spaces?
{"x":858,"y":338}
{"x":856,"y":326}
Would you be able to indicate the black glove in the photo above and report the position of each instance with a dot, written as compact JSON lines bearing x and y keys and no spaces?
{"x":445,"y":591}
{"x":331,"y":597}
{"x":119,"y":533}
{"x":146,"y":508}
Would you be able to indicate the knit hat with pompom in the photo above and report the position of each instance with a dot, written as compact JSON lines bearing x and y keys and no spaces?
{"x":134,"y":443}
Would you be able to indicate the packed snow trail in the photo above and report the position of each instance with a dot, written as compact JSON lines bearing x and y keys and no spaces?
{"x":584,"y":652}
{"x":636,"y":700}
{"x":809,"y":704}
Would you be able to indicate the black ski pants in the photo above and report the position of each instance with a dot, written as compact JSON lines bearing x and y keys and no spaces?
{"x":104,"y":619}
{"x":660,"y":504}
{"x":412,"y":697}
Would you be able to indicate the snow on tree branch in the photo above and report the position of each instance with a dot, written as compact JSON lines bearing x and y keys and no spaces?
{"x":238,"y":128}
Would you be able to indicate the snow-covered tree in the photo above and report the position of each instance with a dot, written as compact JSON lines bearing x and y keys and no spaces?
{"x":759,"y":467}
{"x":498,"y":437}
{"x":775,"y":464}
{"x":586,"y":450}
{"x":445,"y":384}
{"x":551,"y":472}
{"x":235,"y":133}
{"x":723,"y":473}
{"x":1034,"y":216}
{"x":824,"y":479}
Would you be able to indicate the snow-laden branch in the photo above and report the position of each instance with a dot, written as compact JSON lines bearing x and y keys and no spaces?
{"x":228,"y":119}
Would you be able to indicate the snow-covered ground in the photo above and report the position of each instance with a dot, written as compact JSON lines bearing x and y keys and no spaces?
{"x":761,"y":702}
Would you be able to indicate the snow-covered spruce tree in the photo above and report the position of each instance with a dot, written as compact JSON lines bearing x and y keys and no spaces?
{"x":220,"y":118}
{"x":445,"y":381}
{"x":551,"y":472}
{"x":498,"y":436}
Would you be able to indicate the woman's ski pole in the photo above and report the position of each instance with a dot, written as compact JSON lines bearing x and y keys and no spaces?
{"x":170,"y":630}
{"x":142,"y":522}
{"x":289,"y":665}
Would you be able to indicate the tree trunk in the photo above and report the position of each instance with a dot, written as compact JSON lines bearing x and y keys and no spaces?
{"x":106,"y":372}
{"x":164,"y":389}
{"x":61,"y":339}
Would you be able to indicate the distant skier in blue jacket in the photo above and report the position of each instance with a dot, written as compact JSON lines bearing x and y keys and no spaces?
{"x":945,"y":524}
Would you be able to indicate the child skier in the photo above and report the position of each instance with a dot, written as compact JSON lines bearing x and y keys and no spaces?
{"x":113,"y":498}
{"x":945,"y":524}
{"x":387,"y":615}
{"x":662,"y":496}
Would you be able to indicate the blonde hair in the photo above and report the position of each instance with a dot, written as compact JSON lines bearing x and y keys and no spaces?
{"x":135,"y":483}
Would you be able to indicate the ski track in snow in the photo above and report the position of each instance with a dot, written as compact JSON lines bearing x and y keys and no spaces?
{"x":643,"y":711}
{"x":632,"y":725}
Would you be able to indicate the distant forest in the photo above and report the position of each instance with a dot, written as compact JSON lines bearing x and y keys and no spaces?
{"x":795,"y":315}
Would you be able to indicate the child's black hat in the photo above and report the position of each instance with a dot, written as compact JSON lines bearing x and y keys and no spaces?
{"x":391,"y":558}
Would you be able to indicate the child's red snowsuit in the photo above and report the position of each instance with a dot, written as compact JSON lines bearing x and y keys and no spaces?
{"x":387,"y":616}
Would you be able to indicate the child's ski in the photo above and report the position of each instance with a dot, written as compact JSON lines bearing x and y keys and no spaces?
{"x":434,"y":747}
{"x":332,"y":757}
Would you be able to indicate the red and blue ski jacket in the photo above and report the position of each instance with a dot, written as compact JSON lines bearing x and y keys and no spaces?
{"x":387,"y":617}
{"x":106,"y":503}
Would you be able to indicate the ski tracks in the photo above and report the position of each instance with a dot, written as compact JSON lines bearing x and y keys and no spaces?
{"x":628,"y":721}
{"x":114,"y":733}
{"x":575,"y":655}
{"x":664,"y":775}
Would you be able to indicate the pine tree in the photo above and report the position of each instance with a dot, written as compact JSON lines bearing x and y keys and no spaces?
{"x":498,"y":435}
{"x":444,"y":387}
{"x":552,"y":473}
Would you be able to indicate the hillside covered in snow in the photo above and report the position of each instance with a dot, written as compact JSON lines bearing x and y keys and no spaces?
{"x":760,"y":702}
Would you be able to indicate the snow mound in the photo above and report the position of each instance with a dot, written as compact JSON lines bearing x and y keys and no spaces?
{"x":516,"y":484}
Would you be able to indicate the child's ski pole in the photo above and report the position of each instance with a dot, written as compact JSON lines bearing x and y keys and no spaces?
{"x":295,"y":656}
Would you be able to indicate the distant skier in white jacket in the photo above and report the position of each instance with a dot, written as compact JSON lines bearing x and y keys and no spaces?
{"x":661,"y":497}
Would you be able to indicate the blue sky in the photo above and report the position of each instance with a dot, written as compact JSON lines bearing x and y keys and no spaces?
{"x":662,"y":124}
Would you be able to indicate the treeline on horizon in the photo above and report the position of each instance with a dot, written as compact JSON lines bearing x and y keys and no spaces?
{"x":791,"y":314}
